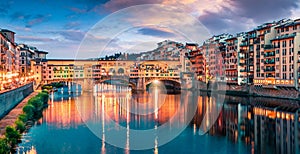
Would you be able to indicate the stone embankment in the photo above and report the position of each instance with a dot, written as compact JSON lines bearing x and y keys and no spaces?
{"x":12,"y":116}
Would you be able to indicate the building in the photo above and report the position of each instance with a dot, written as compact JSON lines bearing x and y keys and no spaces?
{"x":28,"y":53}
{"x":234,"y":60}
{"x":197,"y":59}
{"x":276,"y":51}
{"x":9,"y":58}
{"x":214,"y":50}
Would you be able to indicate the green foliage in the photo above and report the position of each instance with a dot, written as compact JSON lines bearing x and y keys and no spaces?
{"x":23,"y":118}
{"x":45,"y":91}
{"x":20,"y":126}
{"x":36,"y":102}
{"x":57,"y":84}
{"x":4,"y":147}
{"x":43,"y":97}
{"x":29,"y":111}
{"x":12,"y":135}
{"x":48,"y":87}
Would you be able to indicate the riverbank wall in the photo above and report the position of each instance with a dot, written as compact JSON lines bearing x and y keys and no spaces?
{"x":251,"y":90}
{"x":10,"y":99}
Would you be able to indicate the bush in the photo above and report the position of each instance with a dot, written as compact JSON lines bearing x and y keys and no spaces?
{"x":20,"y":126}
{"x":47,"y":86}
{"x":43,"y":96}
{"x":12,"y":135}
{"x":23,"y":118}
{"x":4,"y":147}
{"x":29,"y":111}
{"x":36,"y":102}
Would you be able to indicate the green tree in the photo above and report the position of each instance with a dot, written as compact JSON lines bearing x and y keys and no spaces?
{"x":12,"y":135}
{"x":23,"y":118}
{"x":36,"y":102}
{"x":20,"y":126}
{"x":29,"y":111}
{"x":44,"y":97}
{"x":4,"y":147}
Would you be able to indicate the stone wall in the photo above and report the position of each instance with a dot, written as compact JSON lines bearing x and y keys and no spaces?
{"x":9,"y":99}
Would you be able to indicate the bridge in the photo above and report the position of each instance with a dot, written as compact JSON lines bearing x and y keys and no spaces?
{"x":138,"y":75}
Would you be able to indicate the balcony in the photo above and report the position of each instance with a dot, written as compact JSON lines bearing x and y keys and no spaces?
{"x":268,"y":46}
{"x":243,"y":44}
{"x":270,"y":69}
{"x":270,"y":61}
{"x":270,"y":76}
{"x":270,"y":54}
{"x":256,"y":42}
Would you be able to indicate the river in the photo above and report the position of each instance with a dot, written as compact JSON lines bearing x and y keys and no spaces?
{"x":114,"y":120}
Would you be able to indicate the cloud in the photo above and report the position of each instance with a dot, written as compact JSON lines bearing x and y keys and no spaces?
{"x":155,"y":32}
{"x":263,"y":10}
{"x":37,"y":20}
{"x":78,"y":10}
{"x":20,"y":16}
{"x":72,"y":25}
{"x":33,"y":39}
{"x":114,"y":5}
{"x":73,"y":35}
{"x":225,"y":21}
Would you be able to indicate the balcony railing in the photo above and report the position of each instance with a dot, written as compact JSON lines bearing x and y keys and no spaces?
{"x":243,"y":44}
{"x":268,"y":46}
{"x":269,"y":54}
{"x":272,"y":61}
{"x":270,"y":76}
{"x":269,"y":69}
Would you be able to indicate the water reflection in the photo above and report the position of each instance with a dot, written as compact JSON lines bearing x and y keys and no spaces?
{"x":243,"y":125}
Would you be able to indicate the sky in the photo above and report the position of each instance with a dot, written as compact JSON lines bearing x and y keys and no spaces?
{"x":89,"y":28}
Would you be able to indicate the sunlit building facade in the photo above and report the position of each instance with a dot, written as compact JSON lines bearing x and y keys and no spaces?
{"x":9,"y":57}
{"x":277,"y":51}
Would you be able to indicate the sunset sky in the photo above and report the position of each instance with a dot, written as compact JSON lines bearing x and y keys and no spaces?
{"x":59,"y":26}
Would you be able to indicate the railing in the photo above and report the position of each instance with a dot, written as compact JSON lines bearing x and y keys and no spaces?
{"x":270,"y":70}
{"x":268,"y":46}
{"x":270,"y":54}
{"x":243,"y":44}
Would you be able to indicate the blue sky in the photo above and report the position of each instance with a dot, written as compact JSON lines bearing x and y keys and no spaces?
{"x":59,"y":26}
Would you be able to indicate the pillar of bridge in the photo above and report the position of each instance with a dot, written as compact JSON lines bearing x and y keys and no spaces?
{"x":141,"y":84}
{"x":87,"y":85}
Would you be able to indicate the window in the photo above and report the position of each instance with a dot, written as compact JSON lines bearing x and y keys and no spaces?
{"x":277,"y":59}
{"x":291,"y":59}
{"x":283,"y":52}
{"x":284,"y":68}
{"x":291,"y":51}
{"x":277,"y":51}
{"x":291,"y":42}
{"x":284,"y":44}
{"x":277,"y":74}
{"x":291,"y":75}
{"x":284,"y":75}
{"x":284,"y":60}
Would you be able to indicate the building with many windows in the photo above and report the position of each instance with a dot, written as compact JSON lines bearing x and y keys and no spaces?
{"x":9,"y":57}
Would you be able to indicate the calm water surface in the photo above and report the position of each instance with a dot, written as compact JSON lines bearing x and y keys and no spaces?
{"x":232,"y":125}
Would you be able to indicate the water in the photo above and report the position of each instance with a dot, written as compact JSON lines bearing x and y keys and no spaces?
{"x":85,"y":123}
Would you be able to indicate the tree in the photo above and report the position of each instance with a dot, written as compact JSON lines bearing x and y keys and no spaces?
{"x":4,"y":147}
{"x":29,"y":111}
{"x":12,"y":135}
{"x":20,"y":126}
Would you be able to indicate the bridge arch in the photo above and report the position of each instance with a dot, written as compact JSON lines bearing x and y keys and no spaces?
{"x":169,"y":83}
